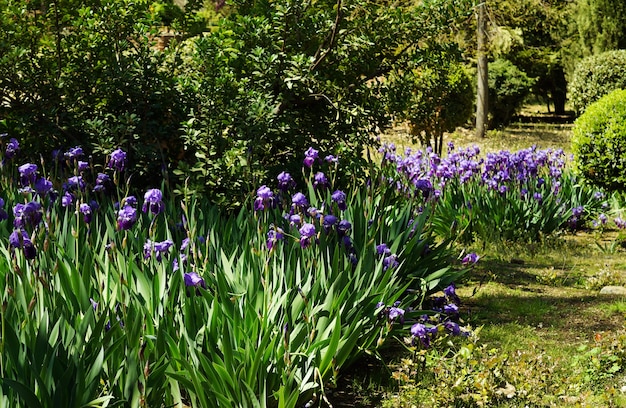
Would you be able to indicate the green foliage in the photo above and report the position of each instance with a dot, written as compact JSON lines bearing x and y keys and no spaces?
{"x":532,"y":35}
{"x":508,"y":87}
{"x":274,"y":76}
{"x":441,"y":98}
{"x":597,"y":76}
{"x":598,"y":26}
{"x":86,"y":73}
{"x":599,"y":142}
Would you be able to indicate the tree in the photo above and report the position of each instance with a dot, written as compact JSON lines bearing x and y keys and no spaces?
{"x":531,"y":34}
{"x":598,"y":26}
{"x":441,"y":98}
{"x":86,"y":73}
{"x":288,"y":74}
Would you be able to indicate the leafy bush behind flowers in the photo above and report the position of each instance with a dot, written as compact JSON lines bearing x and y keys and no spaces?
{"x":109,"y":300}
{"x":521,"y":195}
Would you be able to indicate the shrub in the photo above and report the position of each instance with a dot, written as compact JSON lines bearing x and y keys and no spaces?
{"x":599,"y":142}
{"x":89,"y":75}
{"x":508,"y":87}
{"x":595,"y":77}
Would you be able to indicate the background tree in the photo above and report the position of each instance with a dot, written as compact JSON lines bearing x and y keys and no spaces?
{"x":596,"y":26}
{"x":86,"y":73}
{"x":531,"y":34}
{"x":440,"y":97}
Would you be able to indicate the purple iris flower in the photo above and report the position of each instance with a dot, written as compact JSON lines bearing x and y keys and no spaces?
{"x":307,"y":231}
{"x":310,"y":156}
{"x":420,"y":332}
{"x":331,"y":159}
{"x":264,"y":198}
{"x":162,"y":248}
{"x":147,"y":249}
{"x":285,"y":181}
{"x":295,"y":220}
{"x":451,"y":309}
{"x":117,"y":160}
{"x":85,"y":209}
{"x":43,"y":186}
{"x":396,"y":314}
{"x":76,"y":182}
{"x":470,"y":258}
{"x":450,"y":292}
{"x":320,"y":179}
{"x":299,"y":200}
{"x":82,"y":165}
{"x":577,"y":211}
{"x":126,"y":218}
{"x":74,"y":153}
{"x":20,"y":239}
{"x":193,"y":279}
{"x":13,"y":147}
{"x":619,"y":222}
{"x":3,"y":213}
{"x":452,"y":327}
{"x":424,"y":185}
{"x":382,"y":249}
{"x":27,"y":214}
{"x":390,"y":261}
{"x":153,"y":201}
{"x":344,"y":227}
{"x":340,"y":198}
{"x":347,"y":242}
{"x":130,"y":200}
{"x":102,"y":180}
{"x":185,"y":244}
{"x":28,"y":173}
{"x":67,"y":199}
{"x":274,"y":235}
{"x":175,"y":262}
{"x":329,"y":221}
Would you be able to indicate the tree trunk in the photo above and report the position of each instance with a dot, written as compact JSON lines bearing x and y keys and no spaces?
{"x":559,"y":90}
{"x":482,"y":91}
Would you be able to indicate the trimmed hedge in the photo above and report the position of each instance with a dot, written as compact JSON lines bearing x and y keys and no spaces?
{"x":599,"y":142}
{"x":595,"y":77}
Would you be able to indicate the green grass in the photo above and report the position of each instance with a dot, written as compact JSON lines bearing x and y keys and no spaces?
{"x":515,"y":137}
{"x":545,"y":333}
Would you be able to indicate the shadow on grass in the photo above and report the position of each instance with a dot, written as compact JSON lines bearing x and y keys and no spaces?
{"x":522,"y":274}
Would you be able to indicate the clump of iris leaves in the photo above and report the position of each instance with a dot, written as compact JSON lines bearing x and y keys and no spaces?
{"x":113,"y":300}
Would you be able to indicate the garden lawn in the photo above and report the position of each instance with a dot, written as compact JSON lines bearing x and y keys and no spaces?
{"x":547,"y":336}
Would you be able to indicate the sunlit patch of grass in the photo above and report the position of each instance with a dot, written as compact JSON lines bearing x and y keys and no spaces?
{"x":546,"y":338}
{"x":515,"y":137}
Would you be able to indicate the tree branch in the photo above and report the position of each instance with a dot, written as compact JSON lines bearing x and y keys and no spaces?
{"x":319,"y":55}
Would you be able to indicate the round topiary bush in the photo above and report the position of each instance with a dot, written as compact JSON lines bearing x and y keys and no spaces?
{"x":595,"y":77}
{"x":599,"y":141}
